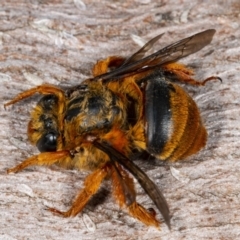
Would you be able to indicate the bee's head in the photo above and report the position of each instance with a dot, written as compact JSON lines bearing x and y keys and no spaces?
{"x":43,"y":126}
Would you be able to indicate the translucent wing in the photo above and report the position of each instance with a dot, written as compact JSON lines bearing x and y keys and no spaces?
{"x":147,"y":184}
{"x":173,"y":52}
{"x":142,"y":51}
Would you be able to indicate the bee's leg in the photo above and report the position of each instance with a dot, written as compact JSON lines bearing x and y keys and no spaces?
{"x":183,"y":74}
{"x":123,"y":186}
{"x":91,"y":185}
{"x":125,"y":195}
{"x":106,"y":64}
{"x":45,"y":158}
{"x":42,"y":89}
{"x":143,"y":215}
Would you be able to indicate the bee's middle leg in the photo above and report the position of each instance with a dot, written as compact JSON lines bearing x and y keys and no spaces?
{"x":106,"y":64}
{"x":91,"y":185}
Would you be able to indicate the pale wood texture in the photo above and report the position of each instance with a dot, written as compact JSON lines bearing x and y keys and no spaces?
{"x":58,"y":42}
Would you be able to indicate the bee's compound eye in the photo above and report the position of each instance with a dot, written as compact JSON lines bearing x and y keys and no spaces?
{"x":48,"y":142}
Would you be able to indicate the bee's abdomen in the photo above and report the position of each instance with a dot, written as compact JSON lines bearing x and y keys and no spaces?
{"x":157,"y":115}
{"x":173,"y":125}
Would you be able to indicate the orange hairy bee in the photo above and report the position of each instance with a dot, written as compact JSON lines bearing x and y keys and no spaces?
{"x":130,"y":105}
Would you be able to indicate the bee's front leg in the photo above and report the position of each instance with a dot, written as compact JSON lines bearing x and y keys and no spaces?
{"x":45,"y":158}
{"x":42,"y":89}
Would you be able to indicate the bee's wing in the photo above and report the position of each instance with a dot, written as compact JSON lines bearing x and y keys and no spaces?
{"x":148,"y":185}
{"x":142,"y":51}
{"x":173,"y":52}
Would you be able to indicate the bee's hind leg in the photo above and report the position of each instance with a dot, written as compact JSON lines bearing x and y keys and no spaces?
{"x":125,"y":195}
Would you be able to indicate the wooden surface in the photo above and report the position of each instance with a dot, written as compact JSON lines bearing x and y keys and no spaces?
{"x":58,"y":42}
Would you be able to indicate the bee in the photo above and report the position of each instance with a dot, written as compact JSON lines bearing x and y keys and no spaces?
{"x":130,"y":106}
